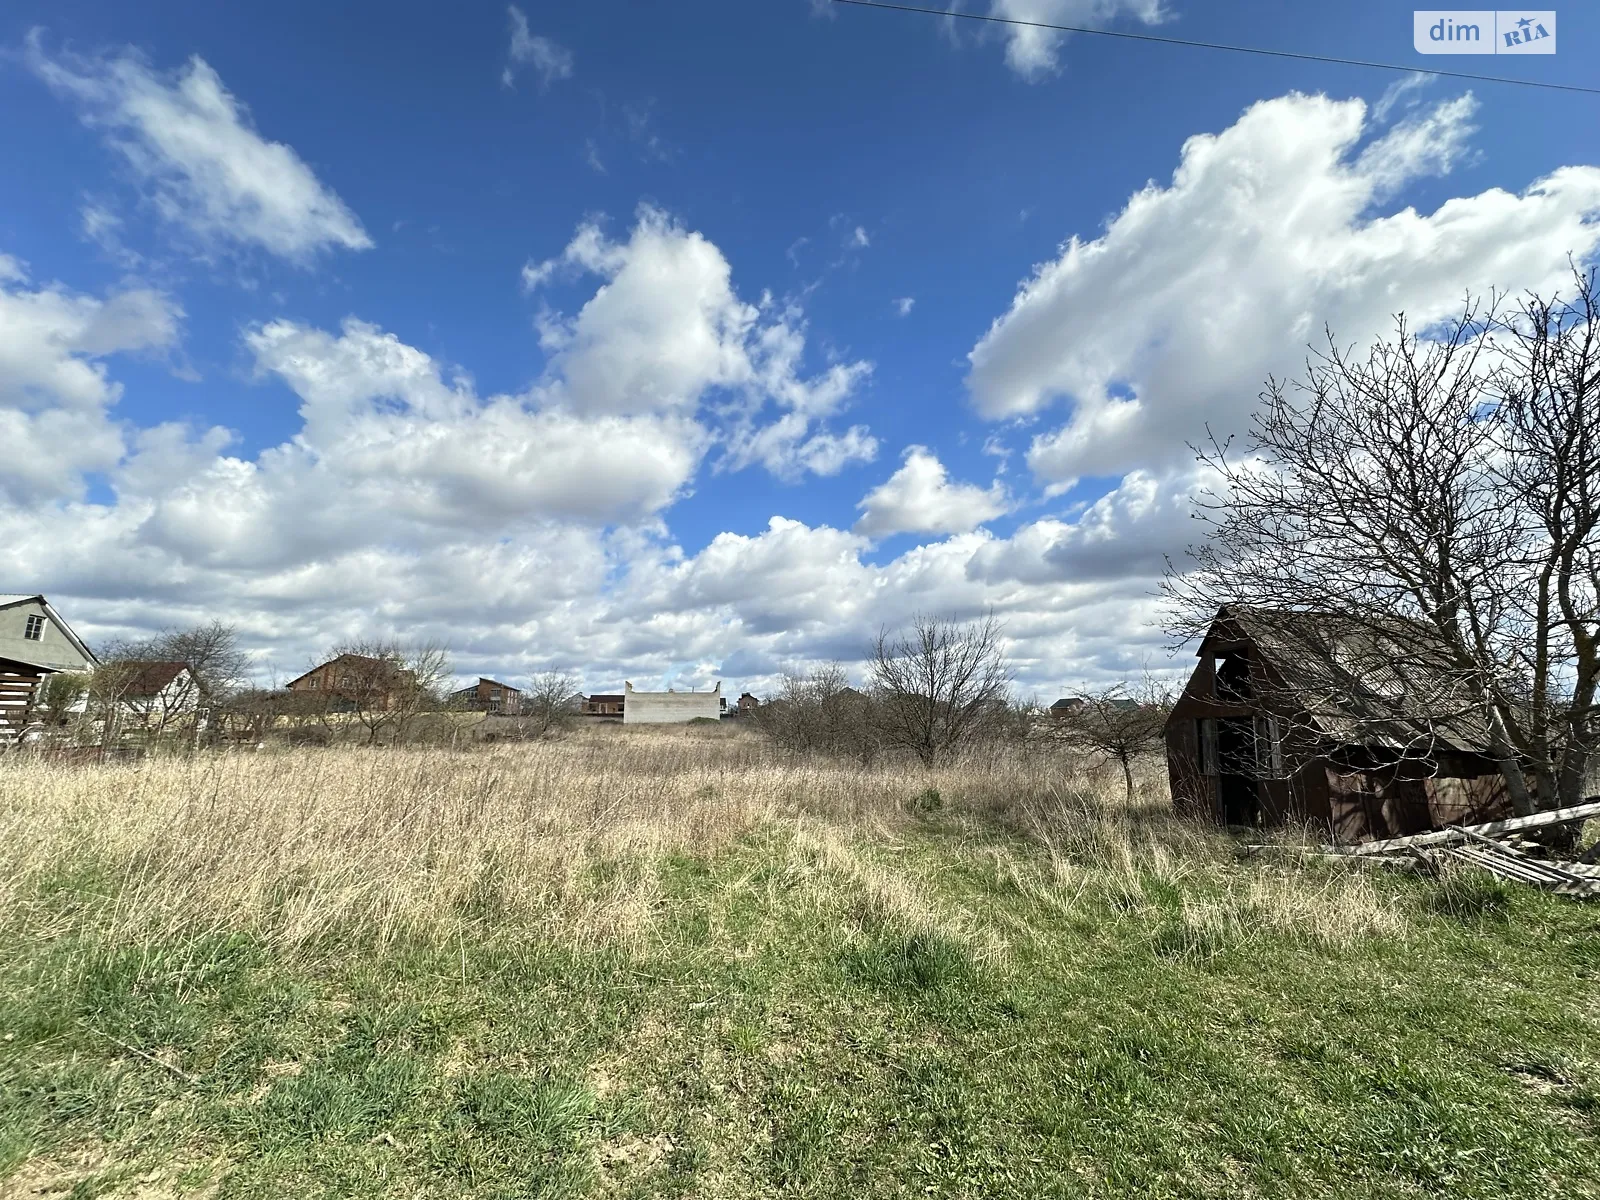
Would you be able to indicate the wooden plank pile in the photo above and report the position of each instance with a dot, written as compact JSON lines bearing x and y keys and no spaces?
{"x":1509,"y":849}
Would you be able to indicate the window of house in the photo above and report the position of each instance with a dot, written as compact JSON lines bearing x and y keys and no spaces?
{"x":313,"y":683}
{"x":1233,"y":678}
{"x":34,"y":629}
{"x":1269,"y":747}
{"x":1206,"y":729}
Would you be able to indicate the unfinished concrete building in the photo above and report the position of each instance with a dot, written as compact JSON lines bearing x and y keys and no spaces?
{"x":670,"y":707}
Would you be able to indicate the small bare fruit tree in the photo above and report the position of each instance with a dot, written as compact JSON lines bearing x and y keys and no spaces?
{"x":819,"y":712}
{"x":1447,"y":483}
{"x":546,"y":706}
{"x":939,"y":685}
{"x":1119,"y":724}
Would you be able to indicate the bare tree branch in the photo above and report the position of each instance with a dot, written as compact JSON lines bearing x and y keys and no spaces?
{"x":1440,"y":498}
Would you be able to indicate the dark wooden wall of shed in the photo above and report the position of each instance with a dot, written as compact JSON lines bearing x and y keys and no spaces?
{"x":1386,"y":802}
{"x":1194,"y":794}
{"x":19,"y":684}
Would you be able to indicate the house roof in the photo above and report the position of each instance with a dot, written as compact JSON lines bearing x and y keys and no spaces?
{"x":473,"y":687}
{"x":362,"y":659}
{"x":9,"y":599}
{"x":149,"y":678}
{"x":1391,"y":682}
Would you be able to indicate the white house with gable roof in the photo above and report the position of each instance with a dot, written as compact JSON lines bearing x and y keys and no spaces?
{"x":34,"y":642}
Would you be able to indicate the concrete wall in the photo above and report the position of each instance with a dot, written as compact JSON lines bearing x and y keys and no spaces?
{"x":52,"y":651}
{"x":669,"y":708}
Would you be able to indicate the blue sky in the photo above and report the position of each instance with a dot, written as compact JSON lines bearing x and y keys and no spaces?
{"x":696,"y":341}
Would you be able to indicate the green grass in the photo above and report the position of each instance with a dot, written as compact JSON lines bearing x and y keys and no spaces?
{"x":778,"y":1032}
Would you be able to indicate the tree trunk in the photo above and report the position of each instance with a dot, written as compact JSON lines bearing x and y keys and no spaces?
{"x":1510,"y":767}
{"x":1127,"y":778}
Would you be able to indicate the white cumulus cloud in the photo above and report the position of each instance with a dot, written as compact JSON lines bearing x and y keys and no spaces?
{"x":1034,"y":52}
{"x":191,"y":144}
{"x":921,"y":498}
{"x":667,"y":333}
{"x":55,"y":393}
{"x":1175,"y":315}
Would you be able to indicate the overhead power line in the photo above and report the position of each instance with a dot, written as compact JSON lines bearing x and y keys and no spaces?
{"x":1129,"y":35}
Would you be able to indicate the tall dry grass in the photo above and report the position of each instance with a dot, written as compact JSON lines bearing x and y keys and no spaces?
{"x":308,"y":847}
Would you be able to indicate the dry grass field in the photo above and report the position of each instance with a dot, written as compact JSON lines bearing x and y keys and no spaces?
{"x":675,"y":963}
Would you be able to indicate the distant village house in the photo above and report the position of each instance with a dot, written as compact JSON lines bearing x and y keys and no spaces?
{"x":354,"y":681}
{"x":154,"y":696}
{"x":670,"y":707}
{"x":488,"y":696}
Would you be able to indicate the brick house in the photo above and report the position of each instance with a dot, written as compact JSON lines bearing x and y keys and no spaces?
{"x":488,"y":696}
{"x":353,"y":681}
{"x":604,"y":706}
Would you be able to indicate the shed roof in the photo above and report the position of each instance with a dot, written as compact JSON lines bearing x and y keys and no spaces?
{"x":1390,"y":682}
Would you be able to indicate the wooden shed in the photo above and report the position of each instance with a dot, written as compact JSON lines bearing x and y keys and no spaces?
{"x":19,"y":687}
{"x":1295,"y":717}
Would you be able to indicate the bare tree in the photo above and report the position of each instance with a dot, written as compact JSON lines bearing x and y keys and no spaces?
{"x":380,"y":686}
{"x":546,"y":703}
{"x":1119,"y":724}
{"x":109,"y":684}
{"x":211,"y":652}
{"x":1441,"y":495}
{"x":819,"y":712}
{"x":247,"y":714}
{"x":1549,"y":468}
{"x":939,"y":685}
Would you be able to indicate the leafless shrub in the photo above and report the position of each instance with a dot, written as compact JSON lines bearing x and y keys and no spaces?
{"x":61,"y":695}
{"x":819,"y":712}
{"x":546,"y":706}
